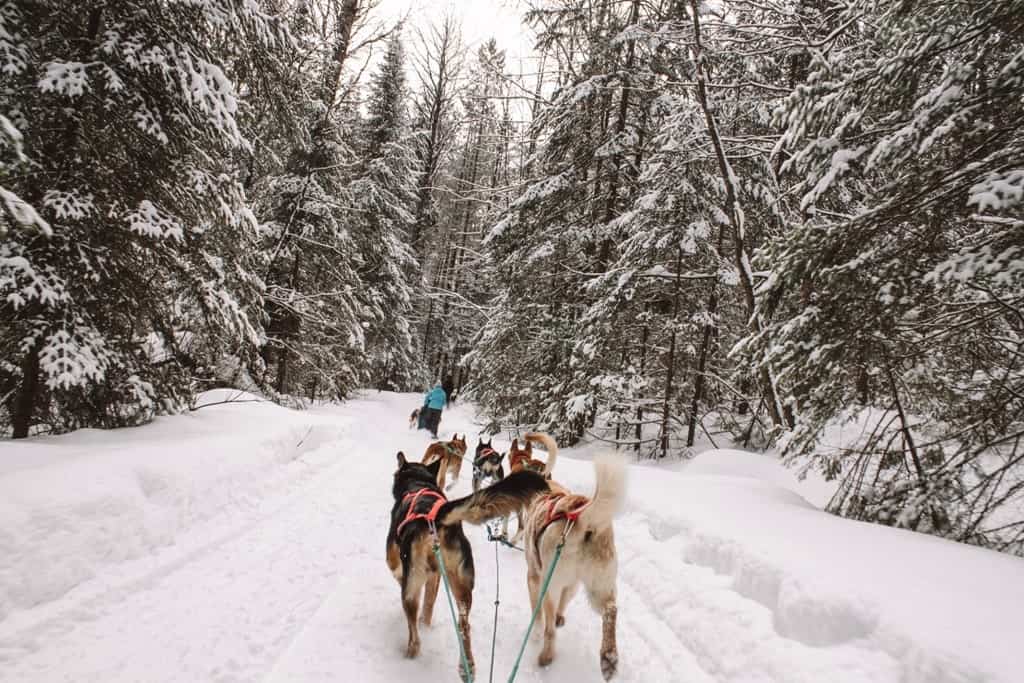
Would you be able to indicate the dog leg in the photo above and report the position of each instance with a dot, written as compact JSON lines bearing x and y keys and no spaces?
{"x":463,"y":590}
{"x":604,"y":602}
{"x":520,"y":527}
{"x":547,"y":654}
{"x":411,"y":605}
{"x":454,"y":468}
{"x":429,"y":597}
{"x":567,"y":594}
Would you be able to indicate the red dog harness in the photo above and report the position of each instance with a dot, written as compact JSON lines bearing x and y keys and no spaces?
{"x":555,"y":515}
{"x":430,"y":515}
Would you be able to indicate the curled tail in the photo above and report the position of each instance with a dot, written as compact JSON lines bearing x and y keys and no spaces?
{"x":609,"y":492}
{"x":508,"y":495}
{"x":549,"y":445}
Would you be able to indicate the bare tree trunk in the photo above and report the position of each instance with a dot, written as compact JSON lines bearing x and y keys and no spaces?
{"x":709,"y":325}
{"x":671,"y":370}
{"x":736,"y":221}
{"x":640,"y":406}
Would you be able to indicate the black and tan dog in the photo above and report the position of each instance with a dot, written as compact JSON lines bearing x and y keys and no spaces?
{"x":588,"y":556}
{"x":420,"y":508}
{"x":451,"y":452}
{"x":487,"y":464}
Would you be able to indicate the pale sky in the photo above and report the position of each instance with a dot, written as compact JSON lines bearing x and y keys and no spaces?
{"x":480,"y":19}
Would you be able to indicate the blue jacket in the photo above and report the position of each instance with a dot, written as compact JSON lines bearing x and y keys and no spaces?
{"x":436,"y":398}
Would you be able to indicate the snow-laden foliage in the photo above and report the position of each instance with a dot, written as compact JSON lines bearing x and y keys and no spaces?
{"x":123,"y":215}
{"x":903,"y":271}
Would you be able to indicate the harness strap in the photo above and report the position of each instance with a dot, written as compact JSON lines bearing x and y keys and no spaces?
{"x":553,"y":515}
{"x":430,"y":515}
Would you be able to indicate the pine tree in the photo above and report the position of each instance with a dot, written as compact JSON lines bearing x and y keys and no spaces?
{"x":385,"y":194}
{"x":903,"y":274}
{"x":124,"y":217}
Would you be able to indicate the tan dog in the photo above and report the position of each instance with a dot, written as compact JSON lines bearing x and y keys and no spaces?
{"x":451,"y":452}
{"x":588,"y":556}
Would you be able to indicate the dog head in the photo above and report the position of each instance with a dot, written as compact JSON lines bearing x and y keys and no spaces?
{"x":413,"y":475}
{"x":518,"y":456}
{"x":486,"y":458}
{"x":459,"y":444}
{"x":483,"y":446}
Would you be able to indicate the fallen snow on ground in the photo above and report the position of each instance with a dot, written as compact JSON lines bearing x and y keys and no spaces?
{"x":245,"y":542}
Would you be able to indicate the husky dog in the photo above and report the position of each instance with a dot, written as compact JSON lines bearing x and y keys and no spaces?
{"x":421,"y":517}
{"x":452,"y":453}
{"x":521,"y":459}
{"x":588,"y":557}
{"x":486,"y":464}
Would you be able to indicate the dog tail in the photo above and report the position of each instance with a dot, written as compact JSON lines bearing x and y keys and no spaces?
{"x":549,"y":444}
{"x":609,"y":492}
{"x":506,"y":496}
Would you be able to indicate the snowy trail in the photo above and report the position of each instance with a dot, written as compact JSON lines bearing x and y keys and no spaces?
{"x":293,"y":587}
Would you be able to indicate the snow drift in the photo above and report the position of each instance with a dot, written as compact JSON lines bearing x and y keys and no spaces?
{"x":72,"y":504}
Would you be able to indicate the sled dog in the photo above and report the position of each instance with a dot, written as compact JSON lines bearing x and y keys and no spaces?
{"x":452,"y":453}
{"x":419,"y":508}
{"x":588,"y":556}
{"x":487,"y":464}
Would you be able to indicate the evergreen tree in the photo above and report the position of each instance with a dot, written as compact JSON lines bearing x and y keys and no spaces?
{"x":385,"y":199}
{"x":124,"y":218}
{"x":903,"y":274}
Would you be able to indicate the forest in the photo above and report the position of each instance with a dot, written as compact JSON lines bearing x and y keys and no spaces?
{"x":681,"y":221}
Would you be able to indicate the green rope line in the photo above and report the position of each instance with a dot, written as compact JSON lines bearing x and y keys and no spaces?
{"x":497,"y":601}
{"x":540,"y":601}
{"x":451,"y":607}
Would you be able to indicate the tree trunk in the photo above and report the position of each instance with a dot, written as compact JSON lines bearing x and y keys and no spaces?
{"x":640,"y":406}
{"x":671,"y":370}
{"x":24,"y":405}
{"x":736,"y":220}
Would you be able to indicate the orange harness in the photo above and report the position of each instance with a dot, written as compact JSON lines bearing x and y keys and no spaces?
{"x":430,"y":515}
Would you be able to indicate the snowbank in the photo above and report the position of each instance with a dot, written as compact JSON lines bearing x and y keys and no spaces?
{"x":913,"y":607}
{"x":73,"y":504}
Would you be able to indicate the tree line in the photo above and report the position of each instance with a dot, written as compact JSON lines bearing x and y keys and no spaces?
{"x":684,"y":223}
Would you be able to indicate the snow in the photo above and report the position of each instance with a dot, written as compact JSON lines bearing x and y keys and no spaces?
{"x":245,"y":542}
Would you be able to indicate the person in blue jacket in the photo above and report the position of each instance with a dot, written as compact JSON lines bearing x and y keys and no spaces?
{"x":434,"y":403}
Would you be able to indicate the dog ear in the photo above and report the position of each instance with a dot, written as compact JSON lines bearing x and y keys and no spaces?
{"x":529,"y":447}
{"x":515,"y":444}
{"x":401,"y":459}
{"x":435,"y":467}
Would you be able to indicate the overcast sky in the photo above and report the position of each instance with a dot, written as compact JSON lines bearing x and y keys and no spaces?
{"x":480,"y":19}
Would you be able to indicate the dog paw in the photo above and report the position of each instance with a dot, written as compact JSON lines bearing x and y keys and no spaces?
{"x":412,"y":651}
{"x":425,"y":620}
{"x":546,"y":657}
{"x":462,"y":672}
{"x":609,"y":664}
{"x":559,"y":621}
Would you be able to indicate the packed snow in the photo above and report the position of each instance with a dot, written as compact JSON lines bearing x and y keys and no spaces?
{"x":245,"y":541}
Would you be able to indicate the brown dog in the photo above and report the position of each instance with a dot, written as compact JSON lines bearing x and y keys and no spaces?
{"x":585,"y":524}
{"x":521,"y":459}
{"x":451,"y":452}
{"x":421,"y":517}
